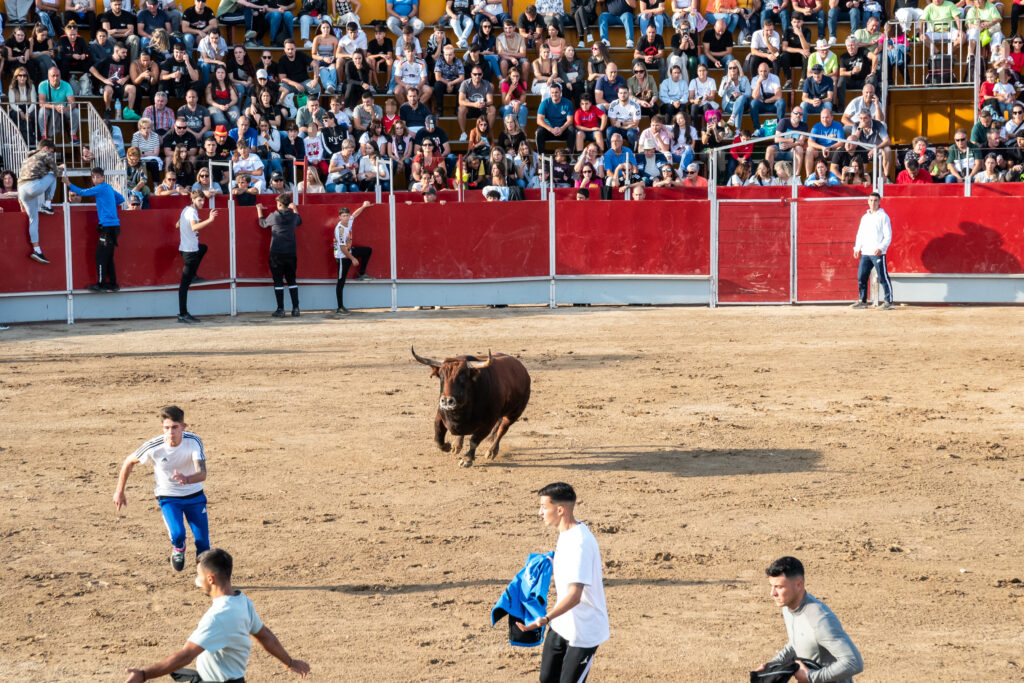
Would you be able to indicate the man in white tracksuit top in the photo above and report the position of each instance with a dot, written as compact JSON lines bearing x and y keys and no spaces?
{"x":814,"y":631}
{"x":873,"y":238}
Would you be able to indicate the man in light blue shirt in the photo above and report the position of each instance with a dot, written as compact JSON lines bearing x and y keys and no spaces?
{"x":220,"y":644}
{"x":821,"y":147}
{"x":107,"y":201}
{"x":402,"y":13}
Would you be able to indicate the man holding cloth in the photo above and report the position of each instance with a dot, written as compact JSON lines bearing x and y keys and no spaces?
{"x":107,"y":201}
{"x":579,"y":618}
{"x":873,"y":238}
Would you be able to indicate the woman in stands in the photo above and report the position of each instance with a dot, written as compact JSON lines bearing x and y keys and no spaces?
{"x":357,"y":78}
{"x":742,"y":174}
{"x":43,"y":51}
{"x":860,"y":175}
{"x":480,"y":138}
{"x":439,"y":179}
{"x":763,"y":175}
{"x":424,"y":163}
{"x":400,"y":146}
{"x":555,"y":42}
{"x":668,"y":178}
{"x":182,"y":167}
{"x":266,"y":109}
{"x":591,"y":155}
{"x":783,"y":173}
{"x":373,"y":170}
{"x":684,"y":139}
{"x":526,"y":162}
{"x":8,"y":185}
{"x":991,"y":173}
{"x":205,"y":185}
{"x":596,"y":65}
{"x":513,"y":135}
{"x":702,"y":96}
{"x":22,"y":98}
{"x":545,"y":72}
{"x":325,"y":47}
{"x":589,"y":179}
{"x":160,"y":46}
{"x":241,"y":73}
{"x":821,"y":177}
{"x":138,"y":176}
{"x":573,"y":72}
{"x":148,"y":144}
{"x":342,"y":170}
{"x":268,"y":146}
{"x":312,"y":184}
{"x":513,"y":97}
{"x":16,"y":49}
{"x":487,"y":41}
{"x":375,"y":134}
{"x":222,"y":99}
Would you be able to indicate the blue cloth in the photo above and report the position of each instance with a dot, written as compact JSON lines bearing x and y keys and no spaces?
{"x":526,"y":597}
{"x":250,"y":136}
{"x":107,"y":201}
{"x":193,"y":510}
{"x":613,"y":160}
{"x":555,"y":114}
{"x":833,"y":131}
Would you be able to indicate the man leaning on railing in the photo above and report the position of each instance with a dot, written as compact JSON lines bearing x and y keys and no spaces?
{"x":57,"y":102}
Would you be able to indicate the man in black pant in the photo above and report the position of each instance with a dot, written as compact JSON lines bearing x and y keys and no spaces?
{"x":554,"y":120}
{"x":283,"y":251}
{"x":348,"y":255}
{"x":192,"y":252}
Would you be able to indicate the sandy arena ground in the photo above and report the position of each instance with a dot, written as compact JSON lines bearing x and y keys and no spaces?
{"x":883,"y":449}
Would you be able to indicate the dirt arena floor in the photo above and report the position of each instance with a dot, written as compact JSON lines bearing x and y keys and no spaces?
{"x":883,"y":449}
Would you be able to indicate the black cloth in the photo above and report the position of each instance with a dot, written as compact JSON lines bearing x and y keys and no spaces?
{"x":117,"y":22}
{"x":647,"y":48}
{"x":192,"y":676}
{"x":282,"y":224}
{"x":245,"y":199}
{"x":333,"y":137}
{"x":361,"y":253}
{"x":544,"y":136}
{"x":174,"y":139}
{"x":716,"y":44}
{"x":106,"y":273}
{"x":196,"y":20}
{"x":194,"y":118}
{"x":414,"y":117}
{"x":180,"y":87}
{"x":282,"y":269}
{"x":151,"y":22}
{"x":619,"y":7}
{"x":191,"y":261}
{"x":295,"y":69}
{"x":438,"y":136}
{"x":525,"y":23}
{"x":111,"y":69}
{"x":562,"y":663}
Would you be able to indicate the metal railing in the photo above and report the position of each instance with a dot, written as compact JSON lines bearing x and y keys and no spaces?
{"x":916,"y":56}
{"x":13,"y":146}
{"x":102,"y":148}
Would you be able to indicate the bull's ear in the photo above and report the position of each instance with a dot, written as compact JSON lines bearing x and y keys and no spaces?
{"x":435,"y":372}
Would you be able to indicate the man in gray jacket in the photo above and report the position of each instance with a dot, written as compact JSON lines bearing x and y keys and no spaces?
{"x":814,"y":631}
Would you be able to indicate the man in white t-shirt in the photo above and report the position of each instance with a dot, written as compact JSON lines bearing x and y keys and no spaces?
{"x":192,"y":252}
{"x":251,"y":165}
{"x":221,"y":642}
{"x":579,"y":619}
{"x":179,"y":467}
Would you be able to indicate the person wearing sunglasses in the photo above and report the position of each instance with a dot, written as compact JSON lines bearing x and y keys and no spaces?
{"x":964,"y":158}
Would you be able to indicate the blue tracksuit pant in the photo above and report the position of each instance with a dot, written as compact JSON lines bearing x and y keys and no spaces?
{"x":177,"y":511}
{"x":867,"y":262}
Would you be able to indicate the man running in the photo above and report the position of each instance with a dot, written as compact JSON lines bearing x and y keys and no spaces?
{"x":220,"y":644}
{"x":815,"y":633}
{"x":192,"y":252}
{"x":283,"y":251}
{"x":37,"y":182}
{"x":346,"y":254}
{"x":179,"y":467}
{"x":873,"y":238}
{"x":107,"y":201}
{"x":579,"y":619}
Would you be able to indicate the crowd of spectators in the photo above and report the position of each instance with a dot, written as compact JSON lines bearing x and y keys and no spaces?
{"x":315,"y":100}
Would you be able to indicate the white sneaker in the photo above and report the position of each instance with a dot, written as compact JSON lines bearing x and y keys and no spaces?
{"x":629,"y":44}
{"x":4,"y":327}
{"x":463,"y":137}
{"x":308,"y":45}
{"x":831,"y":40}
{"x":590,"y":37}
{"x":606,"y":43}
{"x":581,"y":45}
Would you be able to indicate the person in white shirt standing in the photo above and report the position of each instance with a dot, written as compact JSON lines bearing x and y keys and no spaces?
{"x":179,"y":467}
{"x":579,"y":619}
{"x":348,"y":255}
{"x":192,"y":252}
{"x":873,"y":238}
{"x":221,"y":643}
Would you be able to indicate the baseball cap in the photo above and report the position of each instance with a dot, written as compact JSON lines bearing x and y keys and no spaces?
{"x":818,"y":68}
{"x":276,"y":176}
{"x":262,"y":73}
{"x":431,"y":119}
{"x":220,"y":130}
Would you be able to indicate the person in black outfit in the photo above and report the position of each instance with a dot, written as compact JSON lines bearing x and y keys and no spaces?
{"x":348,"y":255}
{"x":72,"y":52}
{"x":178,"y":74}
{"x":283,"y":250}
{"x":357,"y":78}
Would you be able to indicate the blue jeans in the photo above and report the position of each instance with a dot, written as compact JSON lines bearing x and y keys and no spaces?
{"x":32,"y":194}
{"x":659,"y":23}
{"x":736,"y":108}
{"x":706,"y":61}
{"x":496,"y":24}
{"x":758,"y":106}
{"x":731,"y":20}
{"x":328,"y":76}
{"x":867,"y":263}
{"x":342,"y":187}
{"x":817,"y":17}
{"x":834,"y":15}
{"x":190,"y":42}
{"x":782,"y":16}
{"x":630,"y":136}
{"x":193,"y":510}
{"x":810,"y":109}
{"x":494,"y":63}
{"x":507,"y":109}
{"x":625,"y":20}
{"x":276,"y":20}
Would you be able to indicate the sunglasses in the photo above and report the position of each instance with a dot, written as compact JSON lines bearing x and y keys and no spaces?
{"x":691,"y":173}
{"x":179,"y":128}
{"x":960,"y":139}
{"x":1018,"y":111}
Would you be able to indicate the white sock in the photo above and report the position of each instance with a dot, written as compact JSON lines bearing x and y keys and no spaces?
{"x":37,"y":250}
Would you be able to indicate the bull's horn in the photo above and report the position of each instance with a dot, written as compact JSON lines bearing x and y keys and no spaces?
{"x":480,"y":365}
{"x":426,"y":361}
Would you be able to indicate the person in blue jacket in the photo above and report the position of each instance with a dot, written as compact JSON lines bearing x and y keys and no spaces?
{"x":107,"y":201}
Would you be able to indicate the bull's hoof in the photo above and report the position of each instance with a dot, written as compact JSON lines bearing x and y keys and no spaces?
{"x":457,"y":448}
{"x":490,"y":454}
{"x":444,"y":446}
{"x":466,"y":462}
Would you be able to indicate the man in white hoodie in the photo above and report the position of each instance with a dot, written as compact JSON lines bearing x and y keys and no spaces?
{"x":873,"y":238}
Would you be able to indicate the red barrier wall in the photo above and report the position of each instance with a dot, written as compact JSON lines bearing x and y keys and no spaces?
{"x":635,"y":238}
{"x":753,"y":252}
{"x":826,"y":269}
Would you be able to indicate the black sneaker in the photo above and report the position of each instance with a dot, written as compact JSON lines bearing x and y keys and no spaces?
{"x":178,"y":559}
{"x":196,"y":280}
{"x":364,"y":277}
{"x":111,"y":287}
{"x":342,"y":311}
{"x":187,"y":318}
{"x":95,"y":288}
{"x":46,"y":209}
{"x":279,"y":313}
{"x":295,"y":312}
{"x":38,"y":257}
{"x":108,"y":114}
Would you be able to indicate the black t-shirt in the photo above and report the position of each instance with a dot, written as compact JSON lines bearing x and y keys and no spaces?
{"x":185,"y":139}
{"x":196,"y":20}
{"x":333,"y":137}
{"x":111,"y":69}
{"x":786,"y":124}
{"x":375,"y":48}
{"x":65,"y":48}
{"x":151,"y":22}
{"x":646,"y":47}
{"x":224,"y":149}
{"x":118,"y":22}
{"x":18,"y":47}
{"x":194,"y":119}
{"x":858,"y":60}
{"x":525,"y":23}
{"x":236,"y":71}
{"x":792,"y":40}
{"x":271,"y":112}
{"x":414,"y":117}
{"x":648,"y":5}
{"x":282,"y":226}
{"x":483,"y":64}
{"x":173,"y":66}
{"x":677,"y":41}
{"x":438,"y":136}
{"x":295,"y":69}
{"x":249,"y":199}
{"x":717,"y":44}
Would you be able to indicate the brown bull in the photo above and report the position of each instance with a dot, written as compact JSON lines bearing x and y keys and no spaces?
{"x":478,"y":398}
